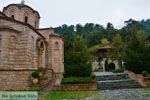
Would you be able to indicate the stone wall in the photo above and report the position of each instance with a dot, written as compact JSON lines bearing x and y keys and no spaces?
{"x":19,"y":55}
{"x":57,"y":54}
{"x":102,"y":63}
{"x":15,"y":80}
{"x":139,"y":78}
{"x":96,"y":66}
{"x":76,"y":87}
{"x":25,"y":52}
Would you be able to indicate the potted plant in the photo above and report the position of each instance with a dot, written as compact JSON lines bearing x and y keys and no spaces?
{"x":93,"y":78}
{"x":35,"y":76}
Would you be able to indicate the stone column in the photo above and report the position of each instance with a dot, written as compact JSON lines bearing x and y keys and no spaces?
{"x":104,"y":59}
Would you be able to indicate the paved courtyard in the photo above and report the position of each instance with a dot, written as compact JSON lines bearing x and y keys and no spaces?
{"x":122,"y":94}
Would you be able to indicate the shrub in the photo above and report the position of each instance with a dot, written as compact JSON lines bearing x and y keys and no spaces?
{"x":75,"y":80}
{"x":35,"y":74}
{"x":145,"y":73}
{"x":93,"y":76}
{"x":35,"y":89}
{"x":120,"y":70}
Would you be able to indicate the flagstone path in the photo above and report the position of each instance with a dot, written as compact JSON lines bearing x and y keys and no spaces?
{"x":122,"y":94}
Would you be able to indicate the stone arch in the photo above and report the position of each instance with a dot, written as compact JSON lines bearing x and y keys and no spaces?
{"x":41,"y":53}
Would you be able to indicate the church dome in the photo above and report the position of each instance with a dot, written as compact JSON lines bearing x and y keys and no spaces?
{"x":23,"y":13}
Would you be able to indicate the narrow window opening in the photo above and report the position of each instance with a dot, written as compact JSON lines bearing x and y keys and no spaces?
{"x":56,"y":45}
{"x":0,"y":40}
{"x":26,"y":19}
{"x":0,"y":55}
{"x":35,"y":24}
{"x":12,"y":16}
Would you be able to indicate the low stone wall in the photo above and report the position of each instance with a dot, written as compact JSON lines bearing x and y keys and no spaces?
{"x":15,"y":80}
{"x":76,"y":87}
{"x":139,"y":78}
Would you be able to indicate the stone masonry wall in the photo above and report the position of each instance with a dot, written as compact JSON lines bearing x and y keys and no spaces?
{"x":46,"y":33}
{"x":57,"y":54}
{"x":15,"y":80}
{"x":76,"y":87}
{"x":25,"y":52}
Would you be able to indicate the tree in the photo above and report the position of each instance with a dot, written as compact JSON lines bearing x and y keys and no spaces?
{"x":132,"y":27}
{"x":117,"y":49}
{"x":136,"y":54}
{"x":110,"y":31}
{"x":79,"y":29}
{"x":104,"y":41}
{"x":110,"y":26}
{"x":93,"y":38}
{"x":79,"y":60}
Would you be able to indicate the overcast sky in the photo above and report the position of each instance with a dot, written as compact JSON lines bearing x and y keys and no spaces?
{"x":57,"y":12}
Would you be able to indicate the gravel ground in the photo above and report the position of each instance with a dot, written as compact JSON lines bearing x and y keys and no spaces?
{"x":122,"y":94}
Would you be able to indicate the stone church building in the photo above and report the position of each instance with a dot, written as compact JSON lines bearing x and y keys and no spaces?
{"x":25,"y":48}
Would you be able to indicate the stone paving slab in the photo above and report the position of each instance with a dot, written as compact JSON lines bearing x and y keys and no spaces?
{"x":122,"y":94}
{"x":106,"y":73}
{"x":103,"y":73}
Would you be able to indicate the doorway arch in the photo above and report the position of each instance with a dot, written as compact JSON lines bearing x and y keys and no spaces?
{"x":111,"y":66}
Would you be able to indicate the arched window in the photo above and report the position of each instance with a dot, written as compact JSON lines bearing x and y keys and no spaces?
{"x":32,"y":51}
{"x":56,"y":45}
{"x":35,"y":24}
{"x":13,"y":42}
{"x":26,"y":19}
{"x":12,"y":16}
{"x":41,"y":46}
{"x":12,"y":13}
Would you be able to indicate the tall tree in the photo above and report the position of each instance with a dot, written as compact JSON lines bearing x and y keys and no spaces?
{"x":110,"y":31}
{"x":79,"y":29}
{"x":109,"y":26}
{"x":132,"y":27}
{"x":136,"y":56}
{"x":79,"y":59}
{"x":117,"y":49}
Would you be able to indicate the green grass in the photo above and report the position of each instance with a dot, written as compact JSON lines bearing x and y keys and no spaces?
{"x":69,"y":95}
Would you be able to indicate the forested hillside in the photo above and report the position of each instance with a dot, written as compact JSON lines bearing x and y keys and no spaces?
{"x":91,"y":36}
{"x":93,"y":33}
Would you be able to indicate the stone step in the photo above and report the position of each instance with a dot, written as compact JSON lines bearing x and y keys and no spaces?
{"x":118,"y":84}
{"x":117,"y":76}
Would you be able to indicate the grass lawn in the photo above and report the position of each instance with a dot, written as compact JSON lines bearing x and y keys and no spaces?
{"x":69,"y":95}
